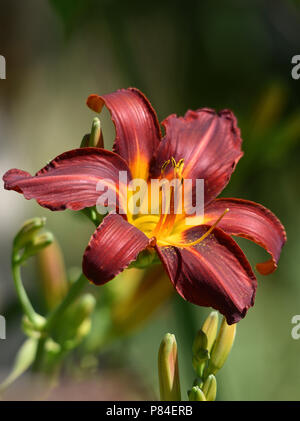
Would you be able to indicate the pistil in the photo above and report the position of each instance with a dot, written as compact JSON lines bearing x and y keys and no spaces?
{"x":199,"y":240}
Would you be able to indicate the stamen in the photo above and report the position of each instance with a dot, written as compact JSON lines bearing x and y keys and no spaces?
{"x":164,"y":165}
{"x":193,"y":243}
{"x":178,"y":167}
{"x":168,"y":216}
{"x":163,"y":216}
{"x":170,"y":220}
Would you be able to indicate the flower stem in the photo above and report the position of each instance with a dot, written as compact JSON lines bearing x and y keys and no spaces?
{"x":23,"y":297}
{"x":54,"y":317}
{"x":39,"y":354}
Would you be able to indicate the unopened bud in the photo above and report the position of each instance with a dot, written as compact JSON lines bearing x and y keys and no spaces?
{"x":210,"y":328}
{"x":38,"y":243}
{"x":196,"y":394}
{"x":85,"y":141}
{"x":53,"y":274}
{"x":27,"y":232}
{"x":95,"y":138}
{"x":149,"y":290}
{"x":85,"y":306}
{"x":52,"y":347}
{"x":200,"y":352}
{"x":198,"y":382}
{"x":203,"y":343}
{"x":168,"y":373}
{"x":210,"y":388}
{"x":80,"y":311}
{"x":77,"y":322}
{"x":222,"y":347}
{"x":84,"y":329}
{"x":33,"y":330}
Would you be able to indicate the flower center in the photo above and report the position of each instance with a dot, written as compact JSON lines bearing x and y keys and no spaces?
{"x":167,"y":224}
{"x":170,"y":199}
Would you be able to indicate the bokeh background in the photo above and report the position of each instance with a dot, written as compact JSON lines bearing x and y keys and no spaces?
{"x":181,"y":55}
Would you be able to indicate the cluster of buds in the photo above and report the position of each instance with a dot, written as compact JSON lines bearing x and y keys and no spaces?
{"x":210,"y":350}
{"x":56,"y":338}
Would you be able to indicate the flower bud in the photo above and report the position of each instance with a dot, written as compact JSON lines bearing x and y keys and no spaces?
{"x":85,"y":141}
{"x":168,"y":373}
{"x":79,"y":313}
{"x":198,"y":382}
{"x":221,"y":347}
{"x":38,"y":243}
{"x":52,"y":274}
{"x":27,"y":232}
{"x":200,"y":352}
{"x":85,"y":306}
{"x":149,"y":290}
{"x":52,"y":347}
{"x":83,"y":330}
{"x":196,"y":394}
{"x":33,"y":330}
{"x":210,"y":388}
{"x":210,"y":327}
{"x":77,"y":322}
{"x":204,"y":342}
{"x":95,"y":138}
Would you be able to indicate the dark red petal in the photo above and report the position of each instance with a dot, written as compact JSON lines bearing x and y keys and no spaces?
{"x":214,"y":273}
{"x":253,"y":221}
{"x":209,"y":143}
{"x":137,"y":128}
{"x":113,"y":246}
{"x":70,"y":180}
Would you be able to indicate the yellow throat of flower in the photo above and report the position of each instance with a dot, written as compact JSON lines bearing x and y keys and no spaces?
{"x":167,"y":226}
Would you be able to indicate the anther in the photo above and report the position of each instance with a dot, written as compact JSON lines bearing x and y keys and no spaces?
{"x":164,"y":166}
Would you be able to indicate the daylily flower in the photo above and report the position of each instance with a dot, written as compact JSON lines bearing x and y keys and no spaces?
{"x":204,"y":263}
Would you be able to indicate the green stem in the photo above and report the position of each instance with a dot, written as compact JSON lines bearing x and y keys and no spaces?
{"x":54,"y":317}
{"x":34,"y":318}
{"x":39,"y":323}
{"x":73,"y":293}
{"x":39,"y":355}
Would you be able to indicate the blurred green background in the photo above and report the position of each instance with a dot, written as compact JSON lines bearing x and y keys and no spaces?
{"x":182,"y":55}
